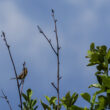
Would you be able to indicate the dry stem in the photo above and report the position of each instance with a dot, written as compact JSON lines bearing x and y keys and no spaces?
{"x":6,"y":98}
{"x":18,"y":86}
{"x":56,"y":53}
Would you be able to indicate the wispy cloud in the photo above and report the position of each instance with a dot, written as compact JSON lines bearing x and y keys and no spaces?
{"x":13,"y":22}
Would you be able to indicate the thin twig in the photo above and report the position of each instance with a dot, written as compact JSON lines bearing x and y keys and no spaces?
{"x":6,"y":98}
{"x":49,"y":41}
{"x":22,"y":84}
{"x":54,"y":86}
{"x":18,"y":86}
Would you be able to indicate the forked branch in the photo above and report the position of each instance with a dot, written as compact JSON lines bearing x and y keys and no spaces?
{"x":56,"y":53}
{"x":49,"y":40}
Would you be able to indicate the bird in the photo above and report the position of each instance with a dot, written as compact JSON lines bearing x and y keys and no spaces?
{"x":22,"y":75}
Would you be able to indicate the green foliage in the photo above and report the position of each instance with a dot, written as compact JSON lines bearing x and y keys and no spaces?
{"x":102,"y":103}
{"x":29,"y":104}
{"x":100,"y":57}
{"x":69,"y":102}
{"x":52,"y":103}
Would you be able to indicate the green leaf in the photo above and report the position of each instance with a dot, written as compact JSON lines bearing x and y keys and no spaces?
{"x":95,"y":85}
{"x":104,"y":47}
{"x":24,"y":105}
{"x":108,"y":90}
{"x":98,"y":72}
{"x":68,"y":95}
{"x":95,"y":58}
{"x":92,"y":46}
{"x":91,"y":64}
{"x":52,"y":100}
{"x":34,"y":102}
{"x":96,"y":93}
{"x":102,"y":102}
{"x":45,"y":106}
{"x":85,"y":108}
{"x":99,"y":67}
{"x":74,"y":107}
{"x":86,"y":96}
{"x":48,"y":99}
{"x":105,"y":62}
{"x":99,"y":79}
{"x":74,"y":98}
{"x":89,"y":53}
{"x":24,"y":96}
{"x":102,"y":50}
{"x":105,"y":80}
{"x":29,"y":93}
{"x":108,"y":54}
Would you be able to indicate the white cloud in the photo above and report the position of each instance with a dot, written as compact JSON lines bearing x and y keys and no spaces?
{"x":13,"y":22}
{"x":19,"y":28}
{"x":21,"y":32}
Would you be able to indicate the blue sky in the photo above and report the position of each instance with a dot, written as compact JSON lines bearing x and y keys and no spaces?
{"x":79,"y":24}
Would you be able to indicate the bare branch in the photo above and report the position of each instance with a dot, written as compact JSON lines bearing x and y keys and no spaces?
{"x":58,"y":60}
{"x":18,"y":86}
{"x":54,"y":86}
{"x":57,"y":54}
{"x":49,"y":41}
{"x":6,"y":98}
{"x":22,"y":84}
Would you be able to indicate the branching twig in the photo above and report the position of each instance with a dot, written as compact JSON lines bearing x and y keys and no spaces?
{"x":18,"y":86}
{"x":58,"y":61}
{"x":49,"y":41}
{"x":56,"y":53}
{"x":6,"y":98}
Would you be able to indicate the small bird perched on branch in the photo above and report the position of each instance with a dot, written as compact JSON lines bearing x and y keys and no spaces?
{"x":22,"y":75}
